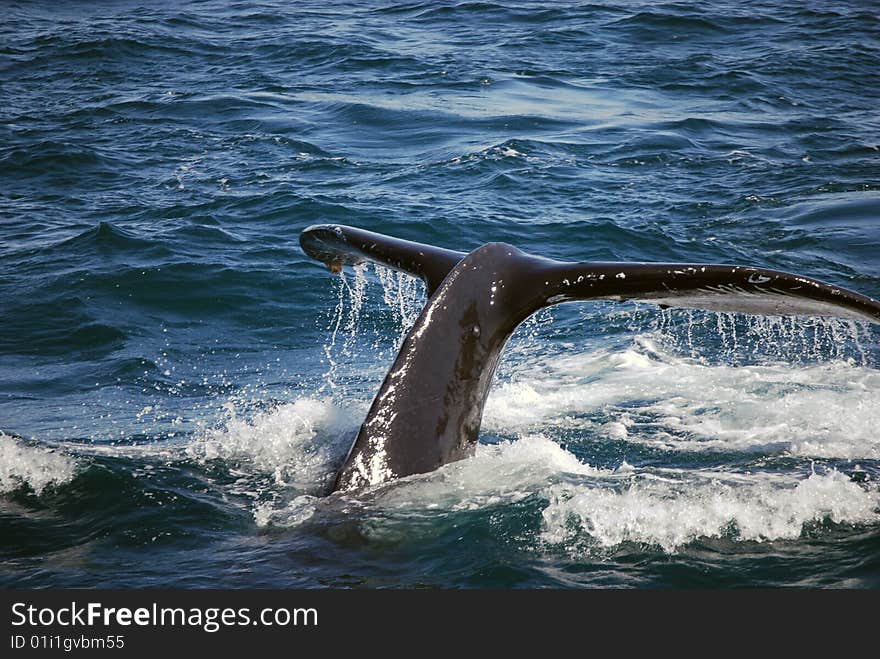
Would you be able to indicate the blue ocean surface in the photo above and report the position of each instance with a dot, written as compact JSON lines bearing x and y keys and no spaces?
{"x":179,"y":382}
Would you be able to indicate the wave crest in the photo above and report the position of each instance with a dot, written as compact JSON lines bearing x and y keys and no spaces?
{"x":23,"y":466}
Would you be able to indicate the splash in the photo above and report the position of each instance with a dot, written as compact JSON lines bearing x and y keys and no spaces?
{"x":404,"y":296}
{"x":345,"y":321}
{"x":33,"y":467}
{"x":696,"y":382}
{"x":582,"y":509}
{"x":356,"y":296}
{"x":744,"y":339}
{"x":359,"y":323}
{"x":673,"y":512}
{"x":647,"y":394}
{"x":504,"y":472}
{"x":299,"y":445}
{"x":526,"y":341}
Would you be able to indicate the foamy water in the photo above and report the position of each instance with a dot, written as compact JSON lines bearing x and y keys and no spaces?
{"x":671,"y":512}
{"x":721,"y":409}
{"x":652,"y":397}
{"x":588,"y":507}
{"x":32,"y":467}
{"x":299,"y":444}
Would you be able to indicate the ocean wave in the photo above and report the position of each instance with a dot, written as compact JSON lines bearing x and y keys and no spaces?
{"x":299,"y":444}
{"x":583,"y":509}
{"x":73,"y":331}
{"x":28,"y":467}
{"x":659,"y":25}
{"x":108,"y":236}
{"x":673,"y":513}
{"x":648,"y":397}
{"x":50,"y":158}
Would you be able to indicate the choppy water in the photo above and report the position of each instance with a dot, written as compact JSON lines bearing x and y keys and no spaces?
{"x":178,"y":382}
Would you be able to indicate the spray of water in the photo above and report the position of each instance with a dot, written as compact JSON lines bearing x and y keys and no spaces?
{"x":404,"y":296}
{"x":368,"y":324}
{"x":739,"y":339}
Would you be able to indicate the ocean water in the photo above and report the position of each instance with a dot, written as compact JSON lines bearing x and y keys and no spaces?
{"x":179,"y":382}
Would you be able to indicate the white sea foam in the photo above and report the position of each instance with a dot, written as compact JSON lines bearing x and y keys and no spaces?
{"x":299,"y":444}
{"x":588,"y":507}
{"x":673,"y":512}
{"x":822,"y":410}
{"x":23,"y":465}
{"x":504,"y":472}
{"x":585,"y":506}
{"x":641,"y":394}
{"x":508,"y":471}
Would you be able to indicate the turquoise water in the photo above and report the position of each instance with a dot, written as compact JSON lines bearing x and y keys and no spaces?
{"x":178,"y":382}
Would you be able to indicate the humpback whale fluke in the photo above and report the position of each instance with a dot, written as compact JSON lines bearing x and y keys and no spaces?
{"x":429,"y":408}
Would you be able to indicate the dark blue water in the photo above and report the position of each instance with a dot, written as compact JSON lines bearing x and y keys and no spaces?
{"x":178,"y":381}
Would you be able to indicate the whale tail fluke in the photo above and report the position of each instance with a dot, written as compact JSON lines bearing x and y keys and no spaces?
{"x":337,"y":245}
{"x":728,"y":288}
